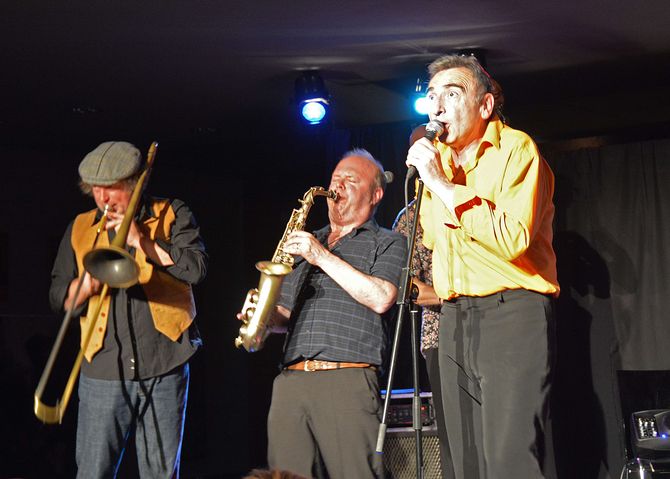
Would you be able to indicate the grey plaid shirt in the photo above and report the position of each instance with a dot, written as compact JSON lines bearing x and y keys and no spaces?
{"x":326,"y":322}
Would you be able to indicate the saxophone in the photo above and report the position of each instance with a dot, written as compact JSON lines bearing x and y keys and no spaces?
{"x":260,"y":302}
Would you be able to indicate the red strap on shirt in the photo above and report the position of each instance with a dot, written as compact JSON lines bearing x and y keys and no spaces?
{"x":468,"y":205}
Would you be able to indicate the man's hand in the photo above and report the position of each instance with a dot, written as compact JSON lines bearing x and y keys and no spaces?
{"x":139,"y":240}
{"x":427,"y":295}
{"x":89,"y":287}
{"x":426,"y":158}
{"x":302,"y":243}
{"x":277,"y":322}
{"x":135,"y":234}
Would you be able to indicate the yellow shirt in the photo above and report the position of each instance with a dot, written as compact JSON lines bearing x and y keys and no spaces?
{"x":500,"y":235}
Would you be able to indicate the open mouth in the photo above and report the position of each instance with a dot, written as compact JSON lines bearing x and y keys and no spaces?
{"x":445,"y":133}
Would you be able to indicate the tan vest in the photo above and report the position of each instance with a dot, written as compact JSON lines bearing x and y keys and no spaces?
{"x":170,"y":300}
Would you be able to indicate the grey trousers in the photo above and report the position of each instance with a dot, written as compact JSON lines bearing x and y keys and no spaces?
{"x":332,"y":414}
{"x":496,"y":354}
{"x":432,"y":367}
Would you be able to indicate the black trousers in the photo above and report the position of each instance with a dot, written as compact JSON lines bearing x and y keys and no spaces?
{"x":495,"y":360}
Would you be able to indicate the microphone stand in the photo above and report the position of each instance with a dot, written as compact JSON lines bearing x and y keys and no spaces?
{"x":407,"y":295}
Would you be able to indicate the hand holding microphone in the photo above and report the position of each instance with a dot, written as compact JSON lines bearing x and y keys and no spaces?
{"x":425,"y":158}
{"x":433,"y":130}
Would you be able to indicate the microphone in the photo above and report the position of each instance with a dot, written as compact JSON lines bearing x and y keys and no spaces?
{"x":388,"y":177}
{"x":434,"y":129}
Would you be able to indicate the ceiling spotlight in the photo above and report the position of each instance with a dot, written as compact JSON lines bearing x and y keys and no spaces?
{"x":418,"y":98}
{"x":311,"y":97}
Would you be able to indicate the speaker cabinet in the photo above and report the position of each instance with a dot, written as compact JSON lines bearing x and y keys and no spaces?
{"x":400,"y":453}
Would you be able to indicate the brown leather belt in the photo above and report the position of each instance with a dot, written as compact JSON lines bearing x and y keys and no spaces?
{"x":317,"y":365}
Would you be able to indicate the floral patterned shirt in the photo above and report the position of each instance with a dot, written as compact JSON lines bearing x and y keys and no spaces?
{"x":422,"y":269}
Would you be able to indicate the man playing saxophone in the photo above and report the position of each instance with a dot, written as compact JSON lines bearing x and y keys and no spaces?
{"x":135,"y":374}
{"x":325,"y":400}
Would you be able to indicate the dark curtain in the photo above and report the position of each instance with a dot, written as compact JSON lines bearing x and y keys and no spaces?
{"x":612,"y":204}
{"x":610,"y":238}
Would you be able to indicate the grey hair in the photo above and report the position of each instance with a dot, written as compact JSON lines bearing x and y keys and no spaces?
{"x":380,"y":178}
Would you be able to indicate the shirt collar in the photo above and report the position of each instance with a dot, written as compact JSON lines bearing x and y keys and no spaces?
{"x":491,"y":137}
{"x":370,"y":225}
{"x":492,"y":133}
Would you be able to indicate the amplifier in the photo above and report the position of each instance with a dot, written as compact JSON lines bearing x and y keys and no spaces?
{"x":400,"y":453}
{"x":400,"y":408}
{"x":400,"y":441}
{"x":650,"y":433}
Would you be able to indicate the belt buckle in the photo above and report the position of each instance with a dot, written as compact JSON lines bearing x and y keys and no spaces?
{"x":310,"y":365}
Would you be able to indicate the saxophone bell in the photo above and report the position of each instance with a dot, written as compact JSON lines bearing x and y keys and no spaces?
{"x":259,"y":304}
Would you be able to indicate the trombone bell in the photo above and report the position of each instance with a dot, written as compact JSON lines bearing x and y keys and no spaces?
{"x":113,"y":266}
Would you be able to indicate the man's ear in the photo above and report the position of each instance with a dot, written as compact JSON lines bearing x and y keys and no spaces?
{"x":377,"y":195}
{"x":486,"y":108}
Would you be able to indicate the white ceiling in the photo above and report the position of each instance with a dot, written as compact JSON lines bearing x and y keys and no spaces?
{"x":180,"y":66}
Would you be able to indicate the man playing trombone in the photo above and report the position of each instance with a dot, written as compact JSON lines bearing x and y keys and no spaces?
{"x":135,"y":373}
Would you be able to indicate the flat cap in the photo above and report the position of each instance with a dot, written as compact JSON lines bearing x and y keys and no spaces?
{"x":110,"y":162}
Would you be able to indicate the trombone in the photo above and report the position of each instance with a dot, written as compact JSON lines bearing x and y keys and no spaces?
{"x":114,"y":267}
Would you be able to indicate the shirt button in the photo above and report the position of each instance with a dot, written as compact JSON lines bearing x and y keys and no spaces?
{"x":132,"y":360}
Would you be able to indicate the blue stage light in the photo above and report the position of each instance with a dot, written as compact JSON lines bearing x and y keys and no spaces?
{"x":421,"y":105}
{"x":312,"y":98}
{"x":419,"y":100}
{"x":314,"y":110}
